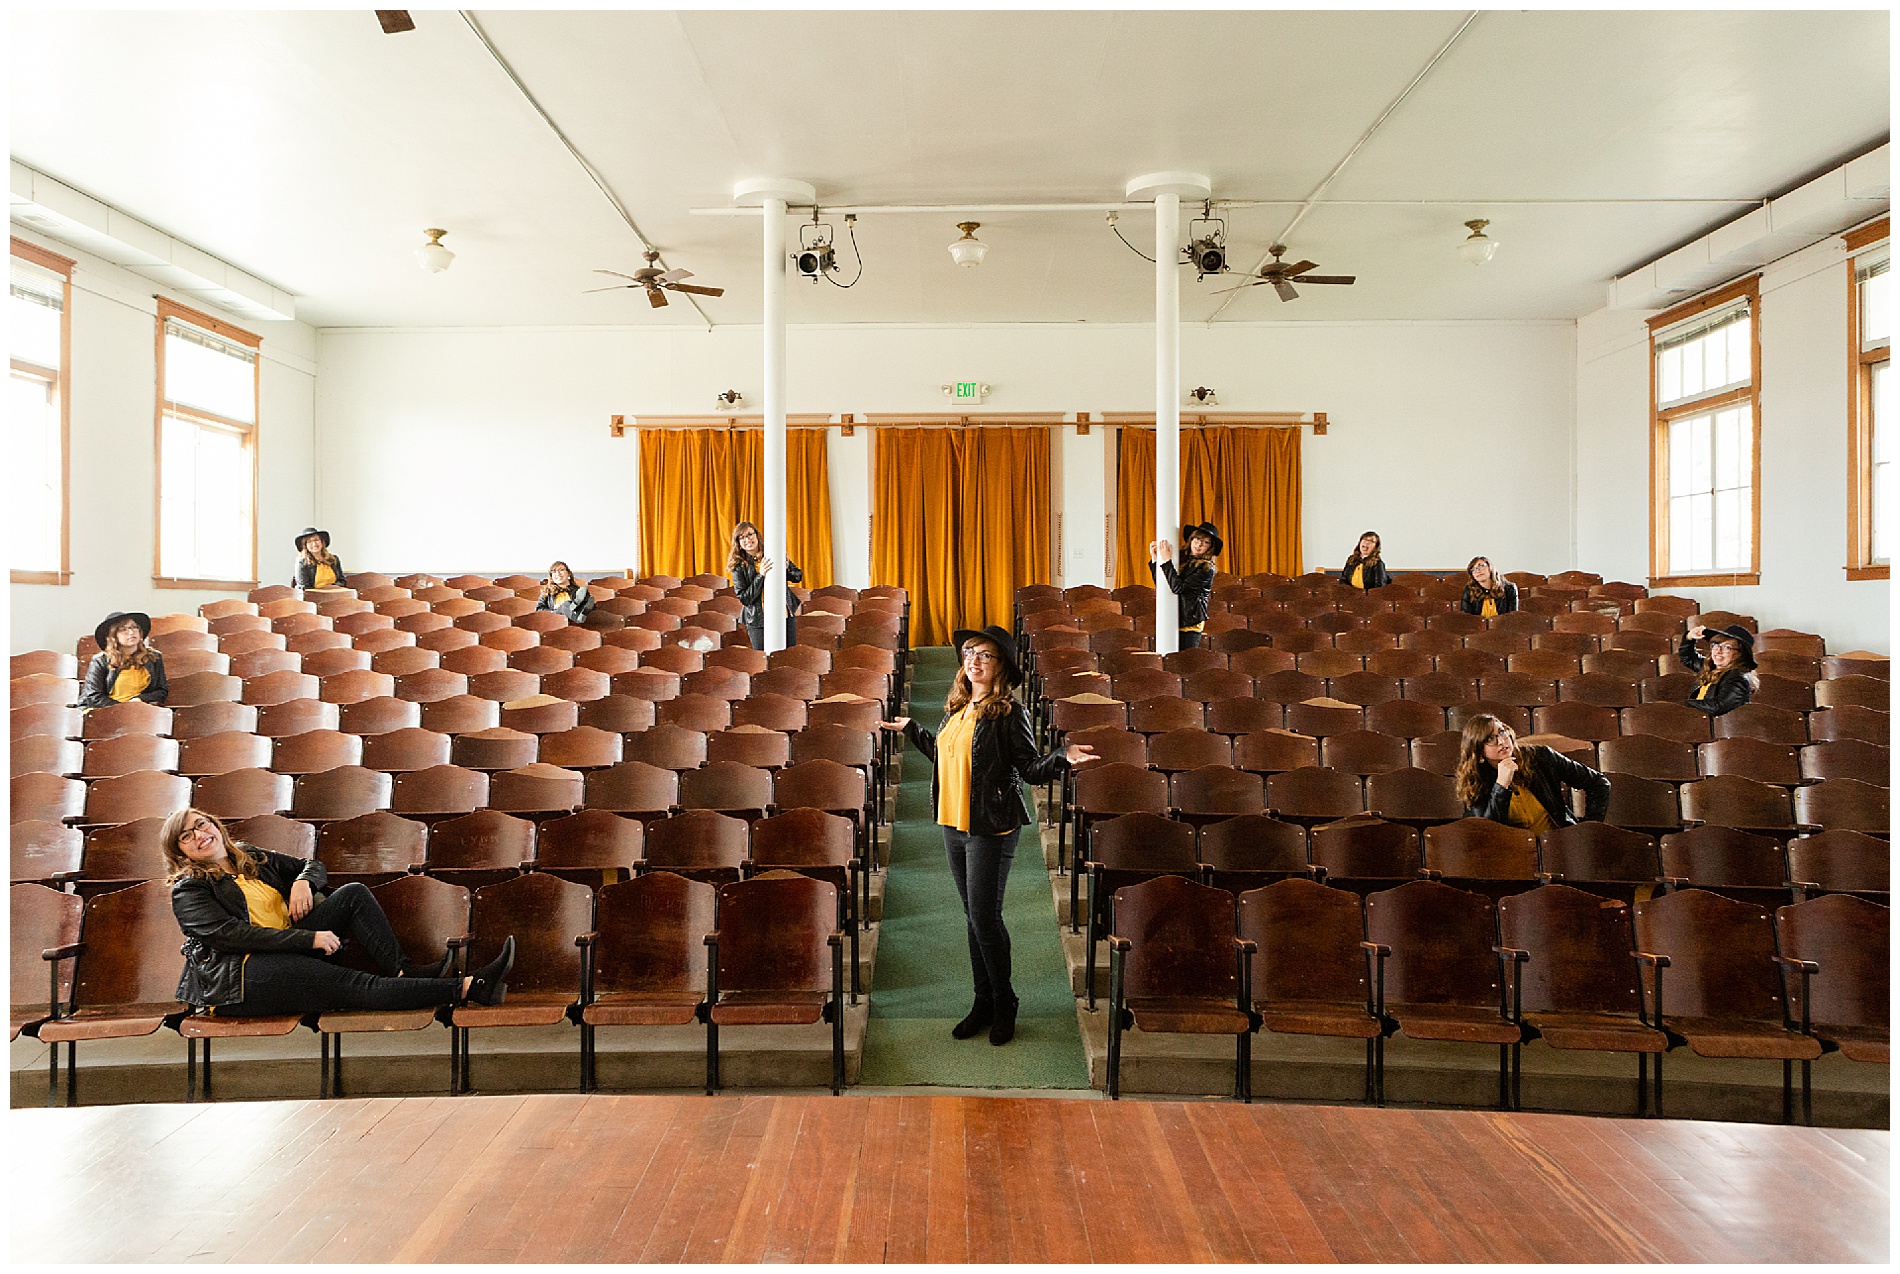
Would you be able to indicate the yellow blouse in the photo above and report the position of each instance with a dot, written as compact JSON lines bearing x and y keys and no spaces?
{"x":560,"y":599}
{"x":130,"y":683}
{"x":1358,"y":577}
{"x":1490,"y":608}
{"x":953,"y":770}
{"x":1527,"y":812}
{"x":1702,"y":692}
{"x":267,"y":907}
{"x":326,"y":578}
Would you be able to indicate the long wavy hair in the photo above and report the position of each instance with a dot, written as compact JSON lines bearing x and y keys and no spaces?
{"x":1478,"y":592}
{"x":1355,"y":559}
{"x":177,"y":866}
{"x":1469,"y":778}
{"x":737,"y":554}
{"x":549,"y":588}
{"x":1710,"y":674}
{"x":997,"y":703}
{"x":142,"y":655}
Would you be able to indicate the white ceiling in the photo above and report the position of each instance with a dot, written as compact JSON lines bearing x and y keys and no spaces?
{"x":310,"y":149}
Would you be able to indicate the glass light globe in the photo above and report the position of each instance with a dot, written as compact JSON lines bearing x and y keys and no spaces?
{"x":432,"y":256}
{"x":969,"y":251}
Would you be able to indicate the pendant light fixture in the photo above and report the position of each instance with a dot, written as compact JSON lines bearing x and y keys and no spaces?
{"x":969,"y":251}
{"x":432,"y":256}
{"x":1479,"y":248}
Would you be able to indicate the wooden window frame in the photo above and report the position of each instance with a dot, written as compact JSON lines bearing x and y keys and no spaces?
{"x":62,"y":383}
{"x":171,"y":310}
{"x":1748,"y":289}
{"x":1860,"y":415}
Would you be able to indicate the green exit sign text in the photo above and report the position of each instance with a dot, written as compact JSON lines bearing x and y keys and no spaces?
{"x":966,"y":391}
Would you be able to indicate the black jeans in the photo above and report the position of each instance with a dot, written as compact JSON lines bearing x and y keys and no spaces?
{"x":293,"y":982}
{"x":980,"y":866}
{"x":1190,"y":640}
{"x":757,"y":632}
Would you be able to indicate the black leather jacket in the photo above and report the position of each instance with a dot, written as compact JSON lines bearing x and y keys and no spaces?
{"x":749,"y":586}
{"x":1192,"y":586}
{"x":304,"y":574}
{"x":218,"y":929}
{"x":1731,"y":692}
{"x":579,"y":602}
{"x":97,"y":692}
{"x":1472,"y":603}
{"x":1375,"y":575}
{"x":1002,"y":758}
{"x":1545,"y":776}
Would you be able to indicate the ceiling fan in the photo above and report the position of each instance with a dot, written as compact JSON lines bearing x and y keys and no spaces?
{"x":1281,"y":275}
{"x":657,"y":282}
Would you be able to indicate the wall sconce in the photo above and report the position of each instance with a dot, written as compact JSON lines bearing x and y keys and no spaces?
{"x":730,"y":399}
{"x":432,"y":256}
{"x":1479,"y":248}
{"x":1204,"y":396}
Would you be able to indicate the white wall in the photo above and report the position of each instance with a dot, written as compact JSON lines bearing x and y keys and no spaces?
{"x":1804,"y":440}
{"x":488,"y":449}
{"x":114,"y":376}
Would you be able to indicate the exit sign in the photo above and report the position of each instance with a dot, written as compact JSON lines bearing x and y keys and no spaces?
{"x":966,"y":391}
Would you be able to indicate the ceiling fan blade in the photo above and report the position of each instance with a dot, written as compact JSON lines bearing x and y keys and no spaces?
{"x":1250,"y":283}
{"x":617,"y":274}
{"x":656,"y":298}
{"x":1328,"y":278}
{"x":611,"y":287}
{"x":395,"y":21}
{"x":674,"y":276}
{"x":1300,"y":267}
{"x":695,"y":289}
{"x":1284,"y":288}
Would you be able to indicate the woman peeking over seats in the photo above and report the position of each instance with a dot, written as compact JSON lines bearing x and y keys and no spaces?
{"x":1364,"y":569}
{"x":1726,"y":679}
{"x":747,"y":569}
{"x":317,"y":566}
{"x":1522,"y":785}
{"x":1487,"y":593}
{"x":257,"y":934}
{"x":125,"y":667}
{"x":562,"y":595}
{"x":1193,"y":583}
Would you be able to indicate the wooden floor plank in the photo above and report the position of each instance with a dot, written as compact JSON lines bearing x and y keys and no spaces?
{"x":558,"y":1177}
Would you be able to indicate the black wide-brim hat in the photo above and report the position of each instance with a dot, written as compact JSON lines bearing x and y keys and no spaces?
{"x":1740,"y":636}
{"x":1005,"y":647}
{"x":306,"y":533}
{"x":1207,"y":529}
{"x":103,"y":633}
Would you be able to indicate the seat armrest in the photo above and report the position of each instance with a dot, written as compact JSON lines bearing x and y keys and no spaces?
{"x":835,"y":939}
{"x":416,"y":869}
{"x":62,"y":952}
{"x":1672,"y":883}
{"x":1548,"y":877}
{"x":1430,"y":873}
{"x":462,"y":941}
{"x":65,"y":877}
{"x":1318,"y":872}
{"x":1809,"y":828}
{"x":528,"y":865}
{"x":1805,"y":966}
{"x":1379,"y":949}
{"x":1516,"y":954}
{"x":1650,"y":958}
{"x":1246,"y":944}
{"x":712,"y":939}
{"x":586,"y":939}
{"x":1811,"y":885}
{"x":1122,"y":945}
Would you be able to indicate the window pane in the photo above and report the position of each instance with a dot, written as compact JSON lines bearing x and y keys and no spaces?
{"x":1730,"y":460}
{"x":1701,"y":453}
{"x":34,"y":328}
{"x":1669,"y":375}
{"x":1681,"y":468}
{"x":1729,"y":530}
{"x":205,"y":520}
{"x":1738,"y":351}
{"x":1876,"y":321}
{"x":1880,"y":490}
{"x":1693,"y":370}
{"x":1681,"y":534}
{"x":211,"y":379}
{"x":33,"y":429}
{"x":1882,"y":446}
{"x":1882,"y":493}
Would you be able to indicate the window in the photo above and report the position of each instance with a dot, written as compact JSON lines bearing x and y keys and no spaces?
{"x":207,"y":451}
{"x":1705,"y":507}
{"x":39,"y":300}
{"x":1870,"y":493}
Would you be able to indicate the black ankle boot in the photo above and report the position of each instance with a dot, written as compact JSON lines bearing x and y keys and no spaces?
{"x":429,"y":968}
{"x":488,"y":985}
{"x":1003,"y":1029}
{"x":980,"y":1016}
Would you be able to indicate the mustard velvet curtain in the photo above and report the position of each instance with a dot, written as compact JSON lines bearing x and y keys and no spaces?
{"x":961,"y":521}
{"x":697,"y":484}
{"x":1245,"y":480}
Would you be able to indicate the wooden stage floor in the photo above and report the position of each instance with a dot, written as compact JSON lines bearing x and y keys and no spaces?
{"x":926,"y":1178}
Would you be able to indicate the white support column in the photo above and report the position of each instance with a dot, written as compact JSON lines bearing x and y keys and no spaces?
{"x":771,"y":195}
{"x":1167,"y":190}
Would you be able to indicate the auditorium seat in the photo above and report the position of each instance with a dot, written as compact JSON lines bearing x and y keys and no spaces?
{"x":499,"y":748}
{"x":1643,"y":805}
{"x":1850,"y":722}
{"x":1413,"y":796}
{"x":1481,"y":855}
{"x":122,"y":799}
{"x":45,"y":928}
{"x":1727,"y":861}
{"x":370,"y":717}
{"x":1759,"y":721}
{"x":540,"y":714}
{"x":1835,"y":959}
{"x":440,"y":789}
{"x":1649,"y":757}
{"x":1602,"y":859}
{"x":315,"y":750}
{"x":482,"y":848}
{"x":1667,"y":721}
{"x":1843,"y":805}
{"x":551,"y":921}
{"x":647,"y":965}
{"x":123,"y":754}
{"x":344,"y":791}
{"x":1728,"y":800}
{"x":45,"y":853}
{"x":1249,"y":851}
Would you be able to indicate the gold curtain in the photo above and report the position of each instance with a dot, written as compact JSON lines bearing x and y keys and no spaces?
{"x":961,"y":522}
{"x":1244,"y":480}
{"x":697,"y":484}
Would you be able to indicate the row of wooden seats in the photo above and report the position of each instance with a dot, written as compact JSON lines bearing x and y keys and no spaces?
{"x":655,"y":950}
{"x":1689,"y":969}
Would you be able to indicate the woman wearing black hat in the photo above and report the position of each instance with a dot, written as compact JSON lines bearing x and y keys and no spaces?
{"x":1725,"y":679}
{"x":1193,"y":583}
{"x":1364,"y":569}
{"x":983,"y":753}
{"x":125,"y":667}
{"x":317,"y":566}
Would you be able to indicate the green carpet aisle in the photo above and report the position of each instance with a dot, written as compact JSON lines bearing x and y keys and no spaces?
{"x":922,"y":986}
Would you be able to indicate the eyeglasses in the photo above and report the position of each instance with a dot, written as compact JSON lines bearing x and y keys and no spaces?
{"x":979,"y":656}
{"x":195,"y":832}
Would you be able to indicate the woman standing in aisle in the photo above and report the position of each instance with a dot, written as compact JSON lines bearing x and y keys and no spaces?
{"x":1193,"y":583}
{"x":561,"y":594}
{"x":316,"y":566}
{"x":983,"y":754}
{"x":1487,"y":593}
{"x":1364,"y":569}
{"x":747,"y":569}
{"x":125,"y":667}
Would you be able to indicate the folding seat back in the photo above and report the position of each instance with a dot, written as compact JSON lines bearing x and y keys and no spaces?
{"x":1366,"y":689}
{"x":1329,"y":662}
{"x":1363,"y":752}
{"x":276,"y":833}
{"x":1585,"y":721}
{"x":1667,"y":721}
{"x":1649,"y":757}
{"x":1414,"y":796}
{"x":1843,"y":805}
{"x":126,"y":754}
{"x":121,"y":799}
{"x":728,"y":787}
{"x":479,"y":848}
{"x":314,"y":751}
{"x":493,"y":750}
{"x":650,"y":958}
{"x":1216,"y":792}
{"x":411,"y":748}
{"x":1164,"y":713}
{"x":1441,"y":940}
{"x":668,"y":746}
{"x":440,"y":789}
{"x":1840,"y":862}
{"x":1726,"y":860}
{"x":343,"y":791}
{"x":546,"y":916}
{"x":695,"y":712}
{"x":1594,"y":855}
{"x":539,"y":788}
{"x":1759,"y":721}
{"x":1249,"y":851}
{"x":1323,"y":716}
{"x":1728,"y":800}
{"x":581,"y":748}
{"x":1365,"y":848}
{"x":1260,"y":661}
{"x":700,"y":844}
{"x":1849,"y":722}
{"x":1751,"y":759}
{"x":294,"y":716}
{"x":1405,"y":718}
{"x":44,"y":851}
{"x":1840,"y":984}
{"x":1479,"y":849}
{"x":1191,"y":748}
{"x":1779,"y":692}
{"x":371,"y":847}
{"x":1643,"y":805}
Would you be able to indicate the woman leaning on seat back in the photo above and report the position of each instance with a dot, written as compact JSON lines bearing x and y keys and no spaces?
{"x":1725,"y":677}
{"x":1522,"y":785}
{"x":564,"y":595}
{"x":316,"y":565}
{"x":1364,"y":568}
{"x":125,"y":667}
{"x":1486,"y":592}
